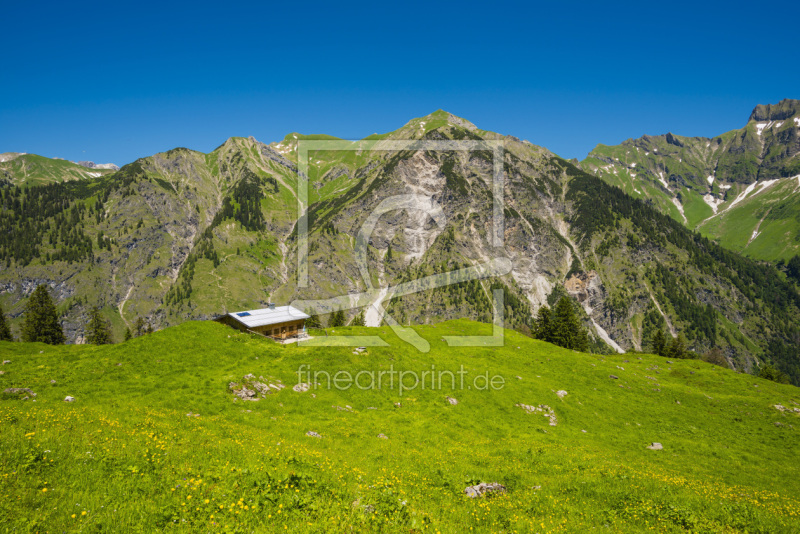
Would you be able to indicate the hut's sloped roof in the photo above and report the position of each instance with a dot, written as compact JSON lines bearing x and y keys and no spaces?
{"x":268,"y":316}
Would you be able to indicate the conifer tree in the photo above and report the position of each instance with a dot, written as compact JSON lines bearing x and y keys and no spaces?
{"x":5,"y":331}
{"x":658,"y":343}
{"x":543,"y":326}
{"x":359,"y":320}
{"x":677,"y":347}
{"x":128,"y":334}
{"x":567,"y":329}
{"x":41,"y":319}
{"x":138,"y":327}
{"x":337,"y":319}
{"x":313,"y":320}
{"x":98,"y":331}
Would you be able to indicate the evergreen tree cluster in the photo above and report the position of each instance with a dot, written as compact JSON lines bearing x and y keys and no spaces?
{"x":702,"y":319}
{"x":561,"y":326}
{"x":41,"y":319}
{"x":670,"y":347}
{"x":337,"y":319}
{"x":98,"y":330}
{"x":244,"y":203}
{"x":5,"y":330}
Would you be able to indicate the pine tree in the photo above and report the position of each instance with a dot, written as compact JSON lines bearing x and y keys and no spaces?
{"x":313,"y":320}
{"x":567,"y":329}
{"x":128,"y":334}
{"x":5,"y":331}
{"x":41,"y":319}
{"x":337,"y":319}
{"x":98,"y":331}
{"x":359,"y":320}
{"x":543,"y":326}
{"x":389,"y":253}
{"x":658,"y":344}
{"x":138,"y":327}
{"x":676,"y":347}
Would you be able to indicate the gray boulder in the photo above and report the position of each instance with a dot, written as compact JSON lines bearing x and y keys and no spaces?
{"x":479,"y":490}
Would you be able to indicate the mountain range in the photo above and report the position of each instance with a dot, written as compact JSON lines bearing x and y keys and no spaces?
{"x":629,"y":233}
{"x":740,"y":188}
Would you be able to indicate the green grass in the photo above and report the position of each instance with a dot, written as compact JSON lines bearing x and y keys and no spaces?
{"x":125,"y":457}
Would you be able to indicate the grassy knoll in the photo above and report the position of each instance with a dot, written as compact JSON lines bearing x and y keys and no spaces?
{"x":126,"y":456}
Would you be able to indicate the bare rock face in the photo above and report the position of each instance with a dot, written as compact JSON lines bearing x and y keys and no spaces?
{"x":479,"y":490}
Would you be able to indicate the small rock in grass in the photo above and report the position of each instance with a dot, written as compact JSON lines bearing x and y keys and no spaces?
{"x":780,"y":407}
{"x":483,"y":488}
{"x":397,"y":405}
{"x":382,"y":436}
{"x":19,"y":391}
{"x":312,"y":434}
{"x":536,"y":487}
{"x":615,"y":377}
{"x":52,"y":381}
{"x":451,"y":400}
{"x":69,"y":399}
{"x":301,"y":387}
{"x":561,"y":393}
{"x":6,"y":361}
{"x":655,"y":446}
{"x":583,"y":431}
{"x":669,"y":361}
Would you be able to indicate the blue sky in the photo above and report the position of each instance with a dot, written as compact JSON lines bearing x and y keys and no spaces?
{"x":114,"y":81}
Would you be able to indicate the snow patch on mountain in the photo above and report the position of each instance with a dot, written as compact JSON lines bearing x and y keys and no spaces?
{"x":710,"y":179}
{"x":713,"y":202}
{"x":662,"y":180}
{"x":680,"y":208}
{"x":742,"y":195}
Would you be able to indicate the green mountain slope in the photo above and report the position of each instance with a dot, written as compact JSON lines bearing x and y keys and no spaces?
{"x":30,"y":169}
{"x":186,"y":235}
{"x":155,"y":440}
{"x":741,"y":188}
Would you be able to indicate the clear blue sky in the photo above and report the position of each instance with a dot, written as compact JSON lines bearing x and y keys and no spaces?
{"x":114,"y":81}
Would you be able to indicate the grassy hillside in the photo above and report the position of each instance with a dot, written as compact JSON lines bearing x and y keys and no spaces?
{"x":154,"y":440}
{"x":30,"y":169}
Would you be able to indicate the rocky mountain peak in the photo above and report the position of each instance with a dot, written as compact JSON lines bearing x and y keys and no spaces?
{"x":93,"y":165}
{"x":775,"y":112}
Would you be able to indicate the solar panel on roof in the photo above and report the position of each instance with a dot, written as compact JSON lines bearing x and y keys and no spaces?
{"x":243,"y":314}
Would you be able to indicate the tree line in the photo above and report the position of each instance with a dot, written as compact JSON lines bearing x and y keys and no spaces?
{"x":41,"y":323}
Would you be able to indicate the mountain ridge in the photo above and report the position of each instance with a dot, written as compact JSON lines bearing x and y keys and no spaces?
{"x":186,"y":235}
